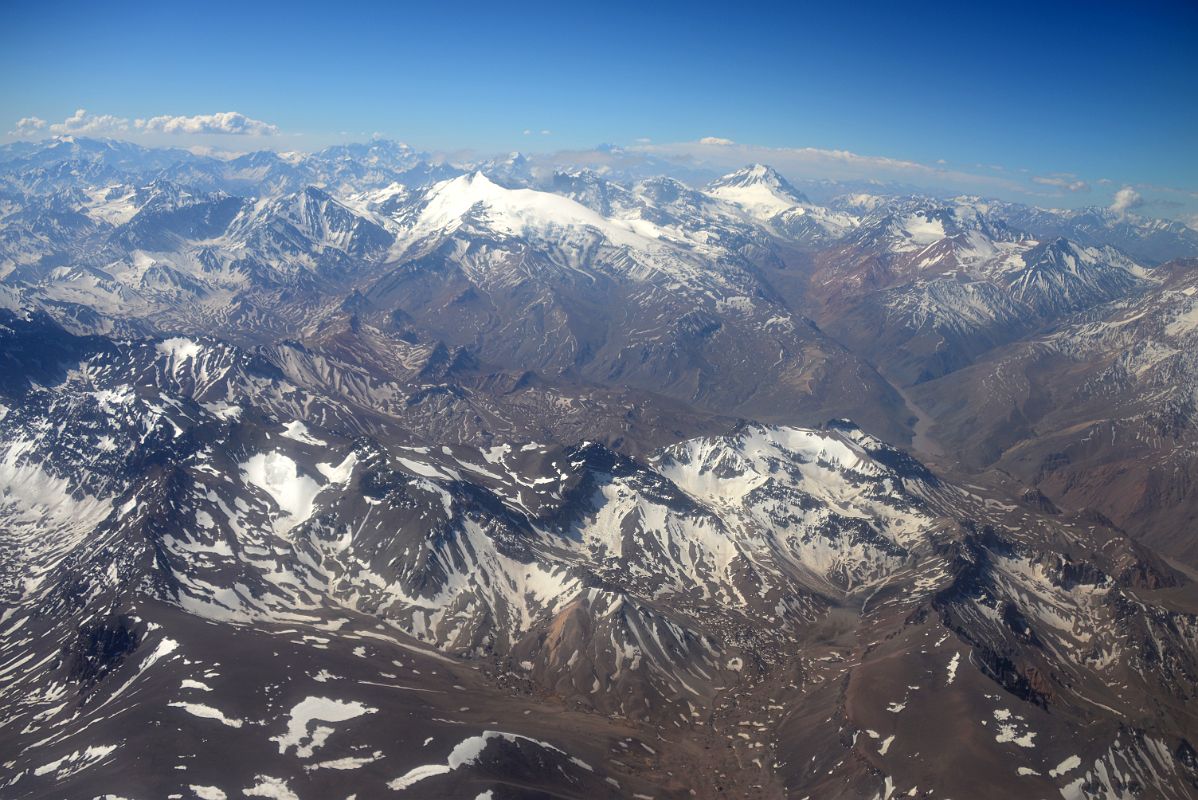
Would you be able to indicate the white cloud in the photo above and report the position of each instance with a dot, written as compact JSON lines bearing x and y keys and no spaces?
{"x":214,"y":152}
{"x":725,"y":149}
{"x":814,"y":162}
{"x":85,"y":123}
{"x":1070,"y":183}
{"x":546,"y":133}
{"x":27,"y":126}
{"x":1126,"y":199}
{"x":229,"y":123}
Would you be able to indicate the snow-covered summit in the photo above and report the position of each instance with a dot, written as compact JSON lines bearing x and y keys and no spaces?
{"x":759,"y":189}
{"x":513,"y":212}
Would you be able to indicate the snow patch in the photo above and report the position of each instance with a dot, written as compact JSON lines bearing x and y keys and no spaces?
{"x":311,"y":709}
{"x":278,"y":476}
{"x":273,"y":788}
{"x":207,"y":792}
{"x":76,"y":762}
{"x":179,"y":348}
{"x":340,"y":473}
{"x":207,"y":712}
{"x":298,"y":431}
{"x":1068,"y":765}
{"x":467,"y":752}
{"x":952,"y":668}
{"x":223,"y":410}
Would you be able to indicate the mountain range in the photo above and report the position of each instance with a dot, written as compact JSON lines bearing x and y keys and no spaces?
{"x":364,"y":473}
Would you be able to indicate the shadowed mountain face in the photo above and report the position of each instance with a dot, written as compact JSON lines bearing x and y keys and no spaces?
{"x":360,"y":474}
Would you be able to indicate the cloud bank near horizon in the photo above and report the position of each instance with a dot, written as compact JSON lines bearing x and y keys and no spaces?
{"x":85,"y":123}
{"x":707,"y":153}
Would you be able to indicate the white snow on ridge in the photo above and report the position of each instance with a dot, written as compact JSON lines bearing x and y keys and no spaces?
{"x":467,"y":752}
{"x":569,"y":232}
{"x":758,"y":199}
{"x":114,"y":205}
{"x":29,"y":493}
{"x":833,"y":468}
{"x":340,"y":473}
{"x":922,"y":230}
{"x":417,"y":774}
{"x":279,"y":476}
{"x":298,"y":431}
{"x":760,"y":194}
{"x":178,"y":348}
{"x":223,"y":410}
{"x":41,"y":515}
{"x":1184,"y":322}
{"x":754,"y":453}
{"x":76,"y":762}
{"x":422,"y":469}
{"x":161,"y":651}
{"x":517,"y":212}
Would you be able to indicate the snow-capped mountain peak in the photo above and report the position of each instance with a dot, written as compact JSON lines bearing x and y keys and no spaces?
{"x":475,"y":198}
{"x":759,"y":189}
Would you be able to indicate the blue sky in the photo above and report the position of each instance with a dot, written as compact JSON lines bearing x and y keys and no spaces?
{"x":1065,"y":102}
